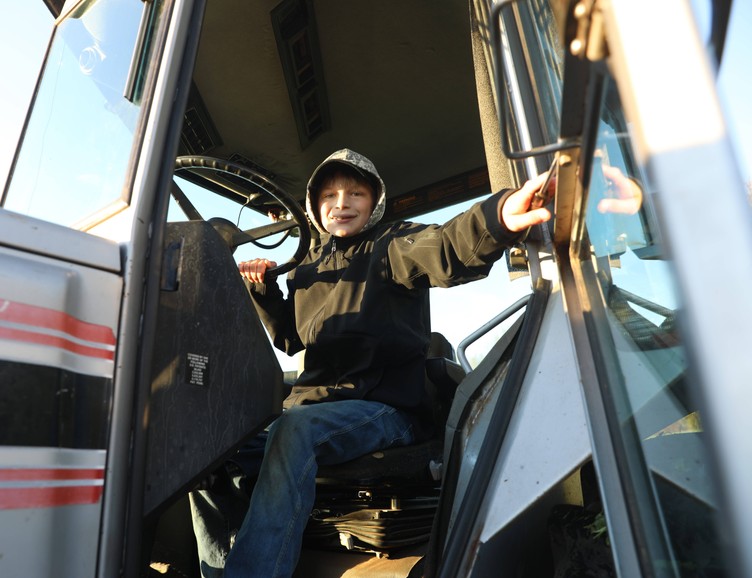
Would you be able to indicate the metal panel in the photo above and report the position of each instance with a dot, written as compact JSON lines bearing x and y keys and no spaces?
{"x":58,"y":314}
{"x":680,"y":135}
{"x":58,"y":323}
{"x":215,"y":378}
{"x":51,"y":525}
{"x":548,"y":436}
{"x":30,"y":234}
{"x":152,"y":171}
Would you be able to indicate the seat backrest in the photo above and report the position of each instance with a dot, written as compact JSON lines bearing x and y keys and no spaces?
{"x":440,"y":347}
{"x":443,"y":375}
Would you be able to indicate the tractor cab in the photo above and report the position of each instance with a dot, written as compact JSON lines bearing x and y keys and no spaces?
{"x":588,"y":395}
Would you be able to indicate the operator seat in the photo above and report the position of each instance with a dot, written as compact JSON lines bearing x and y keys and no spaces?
{"x":387,"y":499}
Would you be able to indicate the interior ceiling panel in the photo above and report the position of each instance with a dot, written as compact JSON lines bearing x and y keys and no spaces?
{"x":399,"y":80}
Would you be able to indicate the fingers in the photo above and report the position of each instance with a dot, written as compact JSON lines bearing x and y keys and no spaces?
{"x":625,"y":206}
{"x":520,"y":222}
{"x":628,"y":194}
{"x":516,"y":214}
{"x":533,"y":185}
{"x":255,"y":269}
{"x":534,"y":189}
{"x":613,"y":173}
{"x":519,"y":202}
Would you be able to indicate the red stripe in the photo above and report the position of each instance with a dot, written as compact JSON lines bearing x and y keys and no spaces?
{"x":52,"y":319}
{"x":55,"y":341}
{"x":17,"y":498}
{"x":16,"y":474}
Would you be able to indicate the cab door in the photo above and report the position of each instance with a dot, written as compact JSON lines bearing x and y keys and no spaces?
{"x":59,"y":308}
{"x":76,"y":228}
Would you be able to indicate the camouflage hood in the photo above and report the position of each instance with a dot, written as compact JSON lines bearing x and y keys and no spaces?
{"x":362,"y":165}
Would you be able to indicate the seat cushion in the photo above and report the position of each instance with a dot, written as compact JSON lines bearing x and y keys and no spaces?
{"x":402,"y":467}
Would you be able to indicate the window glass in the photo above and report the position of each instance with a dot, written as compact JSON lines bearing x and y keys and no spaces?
{"x":77,"y":144}
{"x":279,"y":248}
{"x":656,"y":419}
{"x":534,"y":73}
{"x":545,"y":55}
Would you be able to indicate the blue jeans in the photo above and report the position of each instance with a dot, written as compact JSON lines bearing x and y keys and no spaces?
{"x":269,"y":540}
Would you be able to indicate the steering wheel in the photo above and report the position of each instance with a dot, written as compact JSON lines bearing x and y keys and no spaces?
{"x":225,"y":173}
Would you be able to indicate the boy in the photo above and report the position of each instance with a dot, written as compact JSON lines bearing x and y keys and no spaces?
{"x":358,"y":305}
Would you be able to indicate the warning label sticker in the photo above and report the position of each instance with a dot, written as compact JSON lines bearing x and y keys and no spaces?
{"x":198,"y":368}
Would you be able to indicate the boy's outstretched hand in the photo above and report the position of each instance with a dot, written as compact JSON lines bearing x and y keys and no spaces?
{"x":515,"y":213}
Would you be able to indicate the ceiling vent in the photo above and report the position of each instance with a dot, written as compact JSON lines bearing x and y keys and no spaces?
{"x":297,"y":42}
{"x":198,"y":135}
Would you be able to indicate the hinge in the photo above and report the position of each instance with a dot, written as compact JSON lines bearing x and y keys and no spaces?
{"x":590,"y":41}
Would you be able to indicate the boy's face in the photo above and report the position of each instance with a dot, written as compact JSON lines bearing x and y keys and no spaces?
{"x":344,"y":204}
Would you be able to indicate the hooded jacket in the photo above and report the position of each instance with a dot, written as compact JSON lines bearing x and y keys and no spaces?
{"x":359,"y":305}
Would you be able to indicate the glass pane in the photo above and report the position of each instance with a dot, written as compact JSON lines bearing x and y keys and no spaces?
{"x":545,"y":54}
{"x":279,"y":247}
{"x":77,"y":144}
{"x":659,"y":424}
{"x":535,"y":69}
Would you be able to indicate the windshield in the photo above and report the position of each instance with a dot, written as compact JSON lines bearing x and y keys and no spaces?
{"x":76,"y":147}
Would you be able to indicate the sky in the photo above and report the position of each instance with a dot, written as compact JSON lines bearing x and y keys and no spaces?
{"x":24,"y":32}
